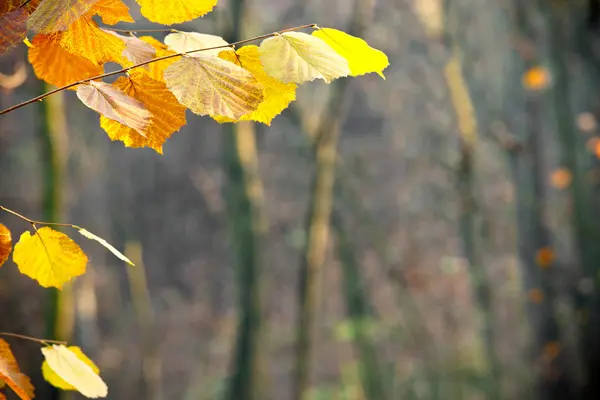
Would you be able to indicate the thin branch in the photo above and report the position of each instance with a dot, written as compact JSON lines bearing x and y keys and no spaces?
{"x":159,"y":30}
{"x":42,"y":341}
{"x":124,"y":70}
{"x":34,"y":222}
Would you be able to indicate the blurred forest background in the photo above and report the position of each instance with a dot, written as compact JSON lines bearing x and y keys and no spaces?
{"x":431,"y":236}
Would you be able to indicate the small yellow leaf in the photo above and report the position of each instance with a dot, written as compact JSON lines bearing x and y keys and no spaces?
{"x":53,"y":64}
{"x":11,"y":374}
{"x":50,"y":257}
{"x":298,"y":57}
{"x":104,"y":243}
{"x":112,"y":11}
{"x":362,"y":58}
{"x":277,"y":95}
{"x":5,"y":244}
{"x":209,"y":85}
{"x":170,"y":12}
{"x":74,"y":369}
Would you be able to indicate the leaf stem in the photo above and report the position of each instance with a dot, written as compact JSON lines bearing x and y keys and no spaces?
{"x":124,"y":70}
{"x":34,"y":222}
{"x":41,"y":341}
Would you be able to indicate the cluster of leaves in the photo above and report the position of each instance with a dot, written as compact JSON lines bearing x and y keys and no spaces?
{"x":145,"y":106}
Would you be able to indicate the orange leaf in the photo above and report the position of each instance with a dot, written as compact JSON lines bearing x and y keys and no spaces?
{"x":168,"y":116}
{"x":11,"y":374}
{"x":536,"y":78}
{"x":560,"y":178}
{"x":56,"y":15}
{"x":114,"y":104}
{"x":84,"y":38}
{"x":54,"y":65}
{"x":112,"y":11}
{"x":5,"y":244}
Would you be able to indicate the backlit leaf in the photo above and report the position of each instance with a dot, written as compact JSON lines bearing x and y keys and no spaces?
{"x":75,"y":370}
{"x":277,"y":95}
{"x":212,"y":86}
{"x":11,"y":374}
{"x":84,"y":38}
{"x":114,"y":104}
{"x":156,"y":69}
{"x":112,"y":11}
{"x":57,"y":15}
{"x":168,"y":116}
{"x":55,"y":380}
{"x":5,"y":244}
{"x":362,"y":58}
{"x":181,"y":42}
{"x":298,"y":57}
{"x":104,"y":243}
{"x":170,"y":12}
{"x":136,"y":50}
{"x":53,"y":64}
{"x":12,"y":29}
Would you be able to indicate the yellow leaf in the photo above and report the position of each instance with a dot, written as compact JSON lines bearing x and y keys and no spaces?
{"x":168,"y":116}
{"x":55,"y":380}
{"x":5,"y":244}
{"x":113,"y":103}
{"x":11,"y":374}
{"x":84,"y":38}
{"x":298,"y":57}
{"x":277,"y":95}
{"x":170,"y":12}
{"x":104,"y":243}
{"x":56,"y":15}
{"x":181,"y":42}
{"x":74,"y":369}
{"x":112,"y":11}
{"x":53,"y":64}
{"x":50,"y":257}
{"x":156,"y":69}
{"x":136,"y":51}
{"x":362,"y":58}
{"x":209,"y":85}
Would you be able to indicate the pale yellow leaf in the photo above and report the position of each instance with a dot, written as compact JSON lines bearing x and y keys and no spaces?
{"x":209,"y":85}
{"x":136,"y":50}
{"x":170,"y":12}
{"x":115,"y":104}
{"x":181,"y":42}
{"x":75,"y":371}
{"x":104,"y":243}
{"x":55,"y":380}
{"x":362,"y":58}
{"x":277,"y":95}
{"x":298,"y":57}
{"x":50,"y":257}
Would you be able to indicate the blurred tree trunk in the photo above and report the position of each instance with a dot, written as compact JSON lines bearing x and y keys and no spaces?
{"x":245,"y":204}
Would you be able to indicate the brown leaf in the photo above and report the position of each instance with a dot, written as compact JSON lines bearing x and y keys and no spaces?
{"x":11,"y":374}
{"x":5,"y":244}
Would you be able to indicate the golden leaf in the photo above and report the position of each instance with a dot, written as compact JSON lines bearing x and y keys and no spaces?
{"x":170,"y":12}
{"x":5,"y":244}
{"x":75,"y":369}
{"x":298,"y":57}
{"x":56,"y":15}
{"x":53,"y":64}
{"x":277,"y":95}
{"x":113,"y":103}
{"x":362,"y":58}
{"x":50,"y":257}
{"x":212,"y":86}
{"x":85,"y":39}
{"x":11,"y":374}
{"x":156,"y":69}
{"x":112,"y":11}
{"x":168,"y":116}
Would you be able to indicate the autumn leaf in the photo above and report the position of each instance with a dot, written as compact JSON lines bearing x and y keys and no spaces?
{"x":212,"y":86}
{"x":104,"y":243}
{"x":112,"y":11}
{"x":136,"y":50}
{"x":362,"y":58}
{"x":5,"y":244}
{"x":55,"y":380}
{"x":50,"y":257}
{"x":170,"y":12}
{"x":277,"y":95}
{"x":168,"y":116}
{"x":114,"y":104}
{"x":181,"y":42}
{"x":156,"y":69}
{"x":53,"y":64}
{"x":74,"y":369}
{"x":56,"y":15}
{"x":298,"y":57}
{"x":85,"y":39}
{"x":11,"y":374}
{"x":12,"y":28}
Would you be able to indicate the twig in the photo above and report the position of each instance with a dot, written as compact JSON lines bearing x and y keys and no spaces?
{"x":124,"y":70}
{"x":42,"y":341}
{"x":34,"y":222}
